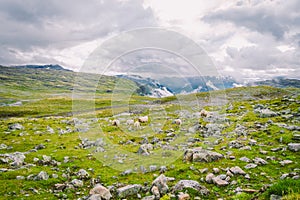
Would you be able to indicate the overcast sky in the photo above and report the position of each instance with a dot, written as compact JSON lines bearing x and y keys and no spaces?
{"x":247,"y":39}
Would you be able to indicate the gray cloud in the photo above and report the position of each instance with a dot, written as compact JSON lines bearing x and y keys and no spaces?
{"x":276,"y":18}
{"x":39,"y":24}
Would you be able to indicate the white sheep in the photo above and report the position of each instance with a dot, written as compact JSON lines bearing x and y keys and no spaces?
{"x":115,"y":122}
{"x":177,"y":121}
{"x":143,"y":119}
{"x":204,"y":113}
{"x":137,"y":125}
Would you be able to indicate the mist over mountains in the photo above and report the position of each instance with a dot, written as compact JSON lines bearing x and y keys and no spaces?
{"x":166,"y":86}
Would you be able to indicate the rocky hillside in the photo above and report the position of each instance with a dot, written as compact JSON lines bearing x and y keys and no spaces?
{"x":280,"y":83}
{"x":244,"y":148}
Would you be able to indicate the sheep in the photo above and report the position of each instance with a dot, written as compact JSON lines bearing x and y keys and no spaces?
{"x":204,"y":113}
{"x":116,"y":122}
{"x":143,"y":119}
{"x":177,"y":121}
{"x":137,"y":125}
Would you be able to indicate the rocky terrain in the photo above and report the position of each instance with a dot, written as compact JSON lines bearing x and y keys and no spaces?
{"x":240,"y":143}
{"x":247,"y":148}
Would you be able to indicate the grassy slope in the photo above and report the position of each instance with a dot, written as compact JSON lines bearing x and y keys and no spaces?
{"x":35,"y":133}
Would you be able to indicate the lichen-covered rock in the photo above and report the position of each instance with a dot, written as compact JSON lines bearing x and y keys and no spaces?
{"x":101,"y":191}
{"x":128,"y":190}
{"x":16,"y":126}
{"x":83,"y":174}
{"x":41,"y":176}
{"x":161,"y":183}
{"x":77,"y":183}
{"x":183,"y":184}
{"x":237,"y":170}
{"x":145,"y":149}
{"x":201,"y":155}
{"x":219,"y":182}
{"x":294,"y":147}
{"x":209,"y":178}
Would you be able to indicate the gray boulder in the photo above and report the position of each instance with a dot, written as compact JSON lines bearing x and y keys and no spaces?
{"x":77,"y":183}
{"x":237,"y":170}
{"x":41,"y":176}
{"x":161,"y":183}
{"x":184,"y":184}
{"x":128,"y":190}
{"x":201,"y":155}
{"x":145,"y":149}
{"x":16,"y":126}
{"x":219,"y":182}
{"x":250,"y":166}
{"x":259,"y":161}
{"x":294,"y":147}
{"x":101,"y":191}
{"x":82,"y":174}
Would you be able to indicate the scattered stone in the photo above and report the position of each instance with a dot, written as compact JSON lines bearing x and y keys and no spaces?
{"x":237,"y":170}
{"x":294,"y":147}
{"x":102,"y":191}
{"x":222,"y":176}
{"x":245,"y":159}
{"x":54,"y":176}
{"x":201,"y":155}
{"x":284,"y":176}
{"x":252,"y":142}
{"x":296,"y":136}
{"x":155,"y":192}
{"x":77,"y":183}
{"x":219,"y":182}
{"x":247,"y":148}
{"x":247,"y":176}
{"x":235,"y":144}
{"x":50,"y":130}
{"x":250,"y":166}
{"x":204,"y":170}
{"x":145,"y":149}
{"x":83,"y":174}
{"x":161,"y":183}
{"x":228,"y":173}
{"x":16,"y":126}
{"x":183,"y":184}
{"x":152,"y":197}
{"x":259,"y":161}
{"x":263,"y":152}
{"x":275,"y":197}
{"x":128,"y":190}
{"x":42,"y":176}
{"x":267,"y":113}
{"x":40,"y":146}
{"x":183,"y":196}
{"x":209,"y":178}
{"x":3,"y":146}
{"x":285,"y":162}
{"x":17,"y":158}
{"x":20,"y":177}
{"x":60,"y":186}
{"x":231,"y":157}
{"x":276,"y":149}
{"x":216,"y":170}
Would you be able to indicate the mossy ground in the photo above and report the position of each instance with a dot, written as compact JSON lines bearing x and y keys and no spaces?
{"x":54,"y":112}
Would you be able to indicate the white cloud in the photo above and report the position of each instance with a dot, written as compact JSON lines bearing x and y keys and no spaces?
{"x":246,"y":39}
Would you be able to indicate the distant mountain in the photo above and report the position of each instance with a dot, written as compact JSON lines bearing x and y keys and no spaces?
{"x":168,"y":86}
{"x":51,"y":66}
{"x":148,"y":86}
{"x":280,"y":82}
{"x":180,"y":85}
